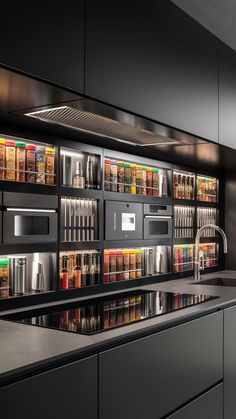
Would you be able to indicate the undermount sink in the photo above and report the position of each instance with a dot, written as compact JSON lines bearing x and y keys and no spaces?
{"x":221,"y":282}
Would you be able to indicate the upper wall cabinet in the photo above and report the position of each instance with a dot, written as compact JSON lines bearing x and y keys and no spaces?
{"x":227,"y":96}
{"x":45,"y":39}
{"x":152,"y":59}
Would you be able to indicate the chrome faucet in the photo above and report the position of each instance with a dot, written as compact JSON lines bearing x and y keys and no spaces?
{"x":197,"y":266}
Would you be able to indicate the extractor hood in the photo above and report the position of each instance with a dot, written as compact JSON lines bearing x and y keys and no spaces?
{"x":39,"y":100}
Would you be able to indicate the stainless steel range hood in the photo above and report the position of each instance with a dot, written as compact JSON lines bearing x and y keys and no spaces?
{"x":106,"y":122}
{"x":39,"y":100}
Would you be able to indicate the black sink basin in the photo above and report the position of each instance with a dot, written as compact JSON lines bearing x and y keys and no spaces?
{"x":221,"y":282}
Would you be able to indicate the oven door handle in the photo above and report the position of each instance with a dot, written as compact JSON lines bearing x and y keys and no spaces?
{"x":158,"y":217}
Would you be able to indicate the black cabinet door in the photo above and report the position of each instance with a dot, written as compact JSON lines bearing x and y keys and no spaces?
{"x":209,"y":405}
{"x":151,"y":58}
{"x":227,"y":96}
{"x":45,"y":39}
{"x":230,"y":363}
{"x":66,"y":392}
{"x":155,"y":375}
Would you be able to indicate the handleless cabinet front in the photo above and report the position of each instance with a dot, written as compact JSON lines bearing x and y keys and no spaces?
{"x":230,"y":363}
{"x":207,"y":406}
{"x":153,"y":376}
{"x":66,"y":392}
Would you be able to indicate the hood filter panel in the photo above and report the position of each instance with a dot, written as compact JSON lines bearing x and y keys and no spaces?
{"x":101,"y":125}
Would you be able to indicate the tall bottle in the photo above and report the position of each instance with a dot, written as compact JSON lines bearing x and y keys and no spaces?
{"x":77,"y":272}
{"x":89,"y":173}
{"x":64,"y":274}
{"x":78,"y":178}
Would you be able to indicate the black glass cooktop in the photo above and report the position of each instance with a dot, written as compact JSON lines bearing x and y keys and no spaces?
{"x":106,"y":313}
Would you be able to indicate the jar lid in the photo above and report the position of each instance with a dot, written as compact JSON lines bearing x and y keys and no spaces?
{"x":40,"y":148}
{"x":127,"y":164}
{"x":2,"y":141}
{"x":114,"y":162}
{"x":31,"y":147}
{"x":20,"y":144}
{"x":49,"y":150}
{"x":155,"y":170}
{"x":144,"y":168}
{"x":10,"y":143}
{"x":107,"y":160}
{"x":4,"y":262}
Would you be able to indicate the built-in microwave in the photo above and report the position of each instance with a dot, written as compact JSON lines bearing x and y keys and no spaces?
{"x":157,"y":221}
{"x":29,"y":218}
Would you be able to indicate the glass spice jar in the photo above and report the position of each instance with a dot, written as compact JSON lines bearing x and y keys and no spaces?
{"x":144,"y":180}
{"x":133,"y":179}
{"x":20,"y":162}
{"x":49,"y":165}
{"x":2,"y":158}
{"x":121,"y":176}
{"x":139,"y":180}
{"x":4,"y":278}
{"x":40,"y":165}
{"x":127,"y":177}
{"x":30,"y":163}
{"x":10,"y":160}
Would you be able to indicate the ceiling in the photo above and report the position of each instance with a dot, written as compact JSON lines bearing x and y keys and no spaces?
{"x":218,"y":16}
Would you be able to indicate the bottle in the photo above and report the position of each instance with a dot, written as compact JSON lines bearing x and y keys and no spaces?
{"x":10,"y":160}
{"x":126,"y":265}
{"x":49,"y":165}
{"x":2,"y":158}
{"x":119,"y":266}
{"x":132,"y":264}
{"x":112,"y":266}
{"x":98,"y":268}
{"x":106,"y":267}
{"x":64,"y":274}
{"x":139,"y":180}
{"x":20,"y":161}
{"x":30,"y":163}
{"x":40,"y":165}
{"x":139,"y":263}
{"x":89,"y":173}
{"x":77,"y":272}
{"x":84,"y":270}
{"x":92,"y":269}
{"x":78,"y":178}
{"x":149,"y":181}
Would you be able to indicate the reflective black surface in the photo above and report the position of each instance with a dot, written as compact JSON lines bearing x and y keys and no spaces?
{"x":100,"y":314}
{"x":221,"y":282}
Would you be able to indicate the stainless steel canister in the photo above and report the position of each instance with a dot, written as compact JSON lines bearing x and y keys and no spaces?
{"x":18,"y":275}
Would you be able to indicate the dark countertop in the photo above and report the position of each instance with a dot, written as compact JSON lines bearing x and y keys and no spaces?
{"x":26,"y":350}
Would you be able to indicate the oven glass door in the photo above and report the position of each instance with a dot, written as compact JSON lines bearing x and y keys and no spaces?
{"x":157,"y":227}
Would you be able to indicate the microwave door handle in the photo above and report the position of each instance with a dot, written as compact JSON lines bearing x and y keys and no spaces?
{"x":114,"y":221}
{"x":158,"y":217}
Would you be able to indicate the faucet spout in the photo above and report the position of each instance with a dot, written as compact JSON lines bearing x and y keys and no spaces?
{"x":197,"y":242}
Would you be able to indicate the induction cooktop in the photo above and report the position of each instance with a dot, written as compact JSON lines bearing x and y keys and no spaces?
{"x":108,"y":312}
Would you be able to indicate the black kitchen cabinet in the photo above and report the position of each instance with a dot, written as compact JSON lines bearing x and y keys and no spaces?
{"x":155,"y":375}
{"x":227,"y":96}
{"x":152,"y":59}
{"x":229,"y":363}
{"x":45,"y":40}
{"x":209,"y":405}
{"x":66,"y":392}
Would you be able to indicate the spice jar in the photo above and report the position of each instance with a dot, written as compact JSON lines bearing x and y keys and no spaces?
{"x":107,"y":174}
{"x":132,"y":265}
{"x":2,"y":158}
{"x":112,"y":266}
{"x":20,"y":162}
{"x":144,"y":180}
{"x":119,"y":266}
{"x":127,"y":177}
{"x":10,"y":160}
{"x":139,"y":180}
{"x":49,"y":165}
{"x":155,"y":182}
{"x":30,"y":163}
{"x":121,"y":176}
{"x":149,"y":181}
{"x":139,"y":263}
{"x":133,"y":179}
{"x":113,"y":176}
{"x":40,"y":164}
{"x":4,"y":278}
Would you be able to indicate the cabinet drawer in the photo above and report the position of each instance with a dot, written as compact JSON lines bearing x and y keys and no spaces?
{"x":155,"y":375}
{"x":209,"y":405}
{"x":66,"y":392}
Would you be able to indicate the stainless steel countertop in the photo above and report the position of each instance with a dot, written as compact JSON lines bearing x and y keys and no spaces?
{"x":25,"y":349}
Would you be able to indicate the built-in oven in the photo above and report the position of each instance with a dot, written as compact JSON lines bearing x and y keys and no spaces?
{"x":157,"y":221}
{"x":123,"y":220}
{"x":29,"y":218}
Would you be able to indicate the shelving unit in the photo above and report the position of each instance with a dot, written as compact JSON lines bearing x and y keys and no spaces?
{"x":96,"y":244}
